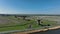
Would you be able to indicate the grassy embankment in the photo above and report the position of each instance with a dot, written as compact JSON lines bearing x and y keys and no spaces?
{"x":23,"y":24}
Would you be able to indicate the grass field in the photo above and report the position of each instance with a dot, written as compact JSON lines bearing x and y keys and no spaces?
{"x":13,"y":23}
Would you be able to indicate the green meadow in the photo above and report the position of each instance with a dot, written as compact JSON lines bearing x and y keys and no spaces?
{"x":13,"y":23}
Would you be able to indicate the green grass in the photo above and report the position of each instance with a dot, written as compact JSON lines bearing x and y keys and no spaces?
{"x":45,"y":22}
{"x":12,"y":28}
{"x":23,"y":25}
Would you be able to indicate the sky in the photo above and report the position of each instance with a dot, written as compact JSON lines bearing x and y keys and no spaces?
{"x":29,"y":6}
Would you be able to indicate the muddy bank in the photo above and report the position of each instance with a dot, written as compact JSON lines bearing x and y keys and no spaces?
{"x":38,"y":31}
{"x":56,"y":31}
{"x":42,"y":30}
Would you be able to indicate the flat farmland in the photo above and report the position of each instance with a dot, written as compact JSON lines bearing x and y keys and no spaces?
{"x":9,"y":23}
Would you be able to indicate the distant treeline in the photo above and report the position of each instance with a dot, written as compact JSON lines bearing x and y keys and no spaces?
{"x":29,"y":15}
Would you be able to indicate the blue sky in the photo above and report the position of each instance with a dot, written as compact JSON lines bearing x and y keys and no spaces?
{"x":29,"y":6}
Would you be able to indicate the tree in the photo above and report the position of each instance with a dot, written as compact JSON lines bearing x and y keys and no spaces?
{"x":15,"y":16}
{"x":24,"y":17}
{"x":39,"y":22}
